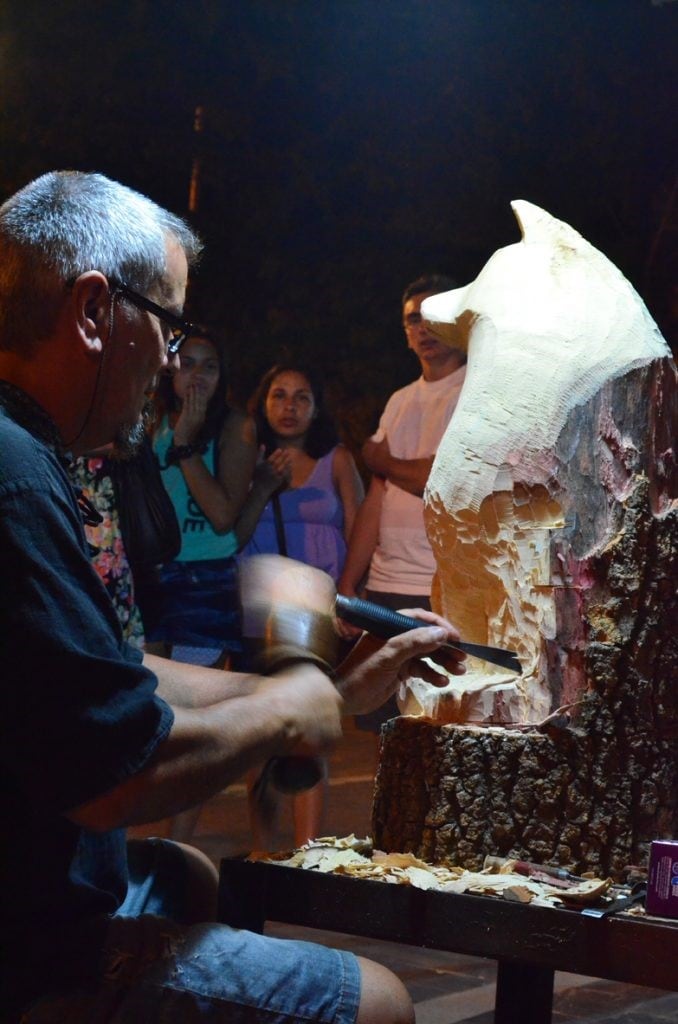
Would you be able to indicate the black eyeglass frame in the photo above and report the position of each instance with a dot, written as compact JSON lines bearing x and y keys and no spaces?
{"x":177,"y":323}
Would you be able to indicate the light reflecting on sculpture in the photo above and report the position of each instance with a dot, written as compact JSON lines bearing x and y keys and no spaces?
{"x":535,"y":478}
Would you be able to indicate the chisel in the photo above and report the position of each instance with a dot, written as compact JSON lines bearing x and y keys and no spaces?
{"x":384,"y":623}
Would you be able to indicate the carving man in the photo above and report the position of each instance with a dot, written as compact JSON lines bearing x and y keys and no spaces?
{"x":92,"y":286}
{"x":388,"y":541}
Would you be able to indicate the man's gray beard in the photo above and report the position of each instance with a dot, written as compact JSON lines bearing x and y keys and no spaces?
{"x":128,"y":440}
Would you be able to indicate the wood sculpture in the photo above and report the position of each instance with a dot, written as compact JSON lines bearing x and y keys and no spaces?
{"x":552,"y":511}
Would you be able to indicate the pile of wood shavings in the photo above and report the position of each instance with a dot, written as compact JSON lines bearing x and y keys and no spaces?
{"x":356,"y":857}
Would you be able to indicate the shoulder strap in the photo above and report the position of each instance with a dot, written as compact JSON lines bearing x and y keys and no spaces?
{"x":279,"y":524}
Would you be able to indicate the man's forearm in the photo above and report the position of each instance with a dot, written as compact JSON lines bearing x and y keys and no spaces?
{"x":410,"y":475}
{"x":255,"y":503}
{"x":193,"y":686}
{"x":296,"y":711}
{"x":209,"y":748}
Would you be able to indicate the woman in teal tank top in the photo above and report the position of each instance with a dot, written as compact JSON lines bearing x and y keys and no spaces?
{"x":211,"y":469}
{"x":207,"y":454}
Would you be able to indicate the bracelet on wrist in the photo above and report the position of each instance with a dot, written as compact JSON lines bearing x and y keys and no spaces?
{"x":178,"y":452}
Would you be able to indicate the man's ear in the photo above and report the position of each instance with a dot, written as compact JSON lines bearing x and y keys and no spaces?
{"x":91,"y":308}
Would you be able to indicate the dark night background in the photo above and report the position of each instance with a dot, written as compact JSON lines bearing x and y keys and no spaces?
{"x":349,"y":145}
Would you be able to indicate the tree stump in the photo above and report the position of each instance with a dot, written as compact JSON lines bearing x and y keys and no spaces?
{"x":555,"y":533}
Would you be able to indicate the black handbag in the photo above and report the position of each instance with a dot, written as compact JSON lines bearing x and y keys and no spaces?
{"x":148,"y":523}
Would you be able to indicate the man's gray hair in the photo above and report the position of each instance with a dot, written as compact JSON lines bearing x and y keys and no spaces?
{"x":66,"y":223}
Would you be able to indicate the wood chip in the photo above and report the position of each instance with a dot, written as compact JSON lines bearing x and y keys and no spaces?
{"x":355,"y":857}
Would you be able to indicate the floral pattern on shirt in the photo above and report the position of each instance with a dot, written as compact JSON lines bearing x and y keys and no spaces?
{"x":109,"y":558}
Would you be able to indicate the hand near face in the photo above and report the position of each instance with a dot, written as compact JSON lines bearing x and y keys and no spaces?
{"x":280,"y":463}
{"x":192,"y":415}
{"x":274,"y":472}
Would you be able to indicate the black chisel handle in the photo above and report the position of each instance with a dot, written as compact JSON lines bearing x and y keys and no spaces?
{"x":385,"y":623}
{"x":377,"y":620}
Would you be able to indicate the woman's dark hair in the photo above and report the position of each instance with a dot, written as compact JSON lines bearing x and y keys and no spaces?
{"x":322,"y":434}
{"x":167,"y":402}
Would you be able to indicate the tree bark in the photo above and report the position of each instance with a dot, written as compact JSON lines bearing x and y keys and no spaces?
{"x":552,"y":511}
{"x":593,"y":786}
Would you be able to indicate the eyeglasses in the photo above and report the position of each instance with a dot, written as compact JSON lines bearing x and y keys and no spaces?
{"x":181,"y":329}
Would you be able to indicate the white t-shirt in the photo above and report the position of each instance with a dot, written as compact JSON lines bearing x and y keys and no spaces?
{"x":414,"y":421}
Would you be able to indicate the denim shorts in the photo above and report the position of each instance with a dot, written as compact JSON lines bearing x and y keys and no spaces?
{"x":160,"y":972}
{"x":192,"y":603}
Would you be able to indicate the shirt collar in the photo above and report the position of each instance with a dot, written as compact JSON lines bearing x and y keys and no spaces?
{"x":25,"y":411}
{"x":32,"y":417}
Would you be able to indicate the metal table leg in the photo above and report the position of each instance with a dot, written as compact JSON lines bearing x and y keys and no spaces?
{"x":242,"y":899}
{"x":524,"y":994}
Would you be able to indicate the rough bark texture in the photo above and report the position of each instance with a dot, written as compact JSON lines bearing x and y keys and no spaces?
{"x":591,"y":789}
{"x":586,"y":800}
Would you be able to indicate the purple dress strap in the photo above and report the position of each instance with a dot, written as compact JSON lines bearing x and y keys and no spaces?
{"x":314,"y":522}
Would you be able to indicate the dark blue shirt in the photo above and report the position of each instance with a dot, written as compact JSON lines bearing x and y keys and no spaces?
{"x":79,"y":712}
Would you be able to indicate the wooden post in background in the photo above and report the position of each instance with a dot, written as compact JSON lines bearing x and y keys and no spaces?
{"x":196,"y":166}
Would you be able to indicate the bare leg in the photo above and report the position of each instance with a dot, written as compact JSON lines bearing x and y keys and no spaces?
{"x":309,"y":807}
{"x":203,"y":883}
{"x":383,"y":997}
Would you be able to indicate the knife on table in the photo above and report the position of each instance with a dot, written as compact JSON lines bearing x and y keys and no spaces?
{"x":385,"y":623}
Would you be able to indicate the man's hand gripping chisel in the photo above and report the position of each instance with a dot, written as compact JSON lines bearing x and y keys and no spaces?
{"x":384,"y":623}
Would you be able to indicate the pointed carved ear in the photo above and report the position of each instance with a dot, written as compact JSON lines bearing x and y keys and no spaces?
{"x":447,"y":317}
{"x":539,"y":227}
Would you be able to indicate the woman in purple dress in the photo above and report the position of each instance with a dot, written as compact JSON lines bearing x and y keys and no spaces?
{"x":314,"y":516}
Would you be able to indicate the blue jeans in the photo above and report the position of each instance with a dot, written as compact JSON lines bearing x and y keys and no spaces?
{"x":192,"y":603}
{"x":155,"y":970}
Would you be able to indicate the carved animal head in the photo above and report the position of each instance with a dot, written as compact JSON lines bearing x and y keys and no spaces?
{"x":526,"y":480}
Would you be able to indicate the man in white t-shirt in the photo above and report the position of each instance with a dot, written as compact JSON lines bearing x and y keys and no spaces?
{"x":388,"y":540}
